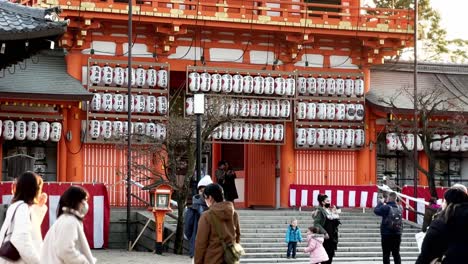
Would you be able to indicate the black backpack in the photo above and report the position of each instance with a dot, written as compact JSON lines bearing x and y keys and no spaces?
{"x":394,"y":220}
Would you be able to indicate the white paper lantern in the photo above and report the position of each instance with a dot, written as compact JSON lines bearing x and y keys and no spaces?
{"x":126,"y":76}
{"x":455,"y":144}
{"x":162,"y":79}
{"x":331,"y":134}
{"x":280,"y":86}
{"x":234,"y":107}
{"x":96,"y":102}
{"x":359,"y":116}
{"x":205,"y":82}
{"x":359,"y":137}
{"x":248,"y":84}
{"x":215,"y":82}
{"x":55,"y":131}
{"x":265,"y":106}
{"x":8,"y":130}
{"x":301,"y":136}
{"x":269,"y":87}
{"x":436,"y":144}
{"x":237,"y":83}
{"x":44,"y":131}
{"x":162,"y":105}
{"x":95,"y":74}
{"x":107,"y":102}
{"x":409,"y":141}
{"x":194,"y":81}
{"x":285,"y":108}
{"x":217,"y":133}
{"x":94,"y":129}
{"x":20,"y":130}
{"x":32,"y":130}
{"x":321,"y":86}
{"x":419,"y":144}
{"x":322,"y":136}
{"x":268,"y":132}
{"x":350,"y":112}
{"x":140,"y":76}
{"x":150,"y":130}
{"x":331,"y":111}
{"x":117,"y":128}
{"x":151,"y":104}
{"x":140,"y":105}
{"x":140,"y":128}
{"x":257,"y":131}
{"x":331,"y":86}
{"x":275,"y":108}
{"x":118,"y":102}
{"x":349,"y":87}
{"x":132,"y":103}
{"x":247,"y":131}
{"x":340,"y":112}
{"x":244,"y":110}
{"x":118,"y":75}
{"x":107,"y":75}
{"x":340,"y":86}
{"x":311,"y":85}
{"x":227,"y":131}
{"x":226,"y":83}
{"x":349,"y":137}
{"x":161,"y":131}
{"x":464,"y":143}
{"x":278,"y":133}
{"x":106,"y":129}
{"x":237,"y":131}
{"x":301,"y":110}
{"x":446,"y":143}
{"x":290,"y":86}
{"x":302,"y":85}
{"x":258,"y":84}
{"x":151,"y":77}
{"x":311,"y":111}
{"x":311,"y":136}
{"x":322,"y":111}
{"x":391,"y":140}
{"x":254,"y":107}
{"x":340,"y":137}
{"x":359,"y":87}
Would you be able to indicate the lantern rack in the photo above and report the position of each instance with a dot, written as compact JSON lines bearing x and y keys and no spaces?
{"x":330,"y":99}
{"x":324,"y":124}
{"x":316,"y":146}
{"x":345,"y":74}
{"x":33,"y":117}
{"x":136,"y":140}
{"x":135,"y":117}
{"x":123,"y":90}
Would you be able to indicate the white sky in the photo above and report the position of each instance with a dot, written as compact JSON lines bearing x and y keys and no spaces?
{"x":454,"y":17}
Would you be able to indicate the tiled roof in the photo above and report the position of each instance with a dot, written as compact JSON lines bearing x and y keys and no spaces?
{"x":45,"y":79}
{"x":22,"y":22}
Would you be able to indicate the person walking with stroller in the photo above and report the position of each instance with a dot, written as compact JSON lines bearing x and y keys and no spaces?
{"x":315,"y":248}
{"x":293,"y":235}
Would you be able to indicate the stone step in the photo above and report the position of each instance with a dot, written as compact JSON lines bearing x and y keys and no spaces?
{"x":301,"y":246}
{"x":341,"y":244}
{"x":377,"y":254}
{"x":336,"y":260}
{"x":358,"y":240}
{"x":304,"y":230}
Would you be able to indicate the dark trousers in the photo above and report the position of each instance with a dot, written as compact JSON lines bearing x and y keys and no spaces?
{"x":291,"y":249}
{"x":391,"y":243}
{"x":329,"y":246}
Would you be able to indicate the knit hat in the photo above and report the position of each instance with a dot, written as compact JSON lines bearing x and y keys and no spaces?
{"x":204,"y":181}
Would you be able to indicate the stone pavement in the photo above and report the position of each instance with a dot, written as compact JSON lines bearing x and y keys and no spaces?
{"x":125,"y":257}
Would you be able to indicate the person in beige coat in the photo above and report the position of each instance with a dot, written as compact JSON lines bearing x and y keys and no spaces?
{"x":23,"y":219}
{"x":208,"y":248}
{"x":65,"y":242}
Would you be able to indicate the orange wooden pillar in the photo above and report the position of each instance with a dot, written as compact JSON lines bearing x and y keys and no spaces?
{"x":287,"y":165}
{"x":215,"y":157}
{"x":62,"y":150}
{"x":75,"y":150}
{"x":424,"y":163}
{"x":74,"y":66}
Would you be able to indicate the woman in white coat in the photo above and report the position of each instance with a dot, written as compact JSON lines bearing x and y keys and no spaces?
{"x":20,"y":230}
{"x":65,"y":242}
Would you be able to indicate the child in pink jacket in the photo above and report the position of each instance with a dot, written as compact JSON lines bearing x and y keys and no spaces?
{"x":314,"y":246}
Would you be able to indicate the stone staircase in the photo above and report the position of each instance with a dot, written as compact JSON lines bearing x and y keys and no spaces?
{"x":263,"y":233}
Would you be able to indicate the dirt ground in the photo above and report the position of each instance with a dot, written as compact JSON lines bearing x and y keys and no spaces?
{"x":125,"y":257}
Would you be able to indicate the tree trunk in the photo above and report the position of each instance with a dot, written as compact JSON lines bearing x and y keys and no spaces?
{"x":179,"y":237}
{"x":431,"y":178}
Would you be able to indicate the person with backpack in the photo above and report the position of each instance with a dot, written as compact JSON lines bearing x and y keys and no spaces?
{"x":218,"y":235}
{"x":391,"y":227}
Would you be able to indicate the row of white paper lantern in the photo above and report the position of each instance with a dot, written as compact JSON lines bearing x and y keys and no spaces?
{"x":31,"y":130}
{"x":442,"y":143}
{"x":329,"y":111}
{"x":330,"y":86}
{"x":107,"y":129}
{"x":249,"y":131}
{"x":330,"y":137}
{"x":118,"y":103}
{"x":239,"y":84}
{"x":244,"y":107}
{"x":140,"y":77}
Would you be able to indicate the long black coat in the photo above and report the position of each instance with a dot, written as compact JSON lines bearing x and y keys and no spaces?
{"x":227,"y":180}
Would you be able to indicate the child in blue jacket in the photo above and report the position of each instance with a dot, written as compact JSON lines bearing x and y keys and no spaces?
{"x":293,"y":235}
